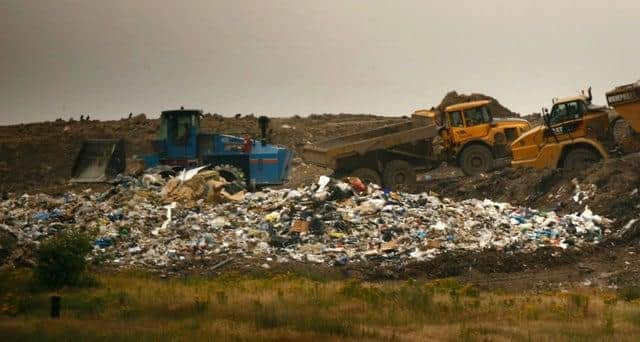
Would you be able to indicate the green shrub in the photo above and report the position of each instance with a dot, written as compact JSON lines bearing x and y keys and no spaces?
{"x":630,"y":293}
{"x":470,"y":291}
{"x":579,"y":303}
{"x":61,"y":260}
{"x":608,"y":325}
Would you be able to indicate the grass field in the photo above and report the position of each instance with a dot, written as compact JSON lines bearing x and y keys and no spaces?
{"x":137,"y":306}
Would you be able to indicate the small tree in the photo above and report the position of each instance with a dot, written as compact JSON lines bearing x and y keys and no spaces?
{"x":61,"y":259}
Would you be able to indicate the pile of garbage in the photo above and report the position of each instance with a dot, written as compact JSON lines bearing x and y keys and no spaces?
{"x":157,"y":222}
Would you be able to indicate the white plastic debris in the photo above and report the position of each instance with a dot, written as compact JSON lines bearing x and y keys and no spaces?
{"x":167,"y":221}
{"x":322,"y":183}
{"x":323,"y":223}
{"x":186,"y":175}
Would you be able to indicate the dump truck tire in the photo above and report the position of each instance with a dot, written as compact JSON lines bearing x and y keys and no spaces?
{"x":580,"y":158}
{"x":399,"y":175}
{"x":476,"y":159}
{"x":367,"y":175}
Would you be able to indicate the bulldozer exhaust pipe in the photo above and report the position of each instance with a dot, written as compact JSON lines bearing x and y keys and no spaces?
{"x":263,"y":122}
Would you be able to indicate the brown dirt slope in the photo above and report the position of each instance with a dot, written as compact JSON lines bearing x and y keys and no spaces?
{"x":610,"y":188}
{"x":39,"y":156}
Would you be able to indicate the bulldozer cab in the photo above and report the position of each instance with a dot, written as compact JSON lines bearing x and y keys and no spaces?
{"x":178,"y":134}
{"x":468,"y":121}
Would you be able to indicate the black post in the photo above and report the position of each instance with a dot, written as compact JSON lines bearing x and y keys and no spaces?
{"x":55,"y":306}
{"x":263,"y":122}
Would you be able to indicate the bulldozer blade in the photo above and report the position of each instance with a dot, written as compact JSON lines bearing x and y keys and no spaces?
{"x":99,"y":160}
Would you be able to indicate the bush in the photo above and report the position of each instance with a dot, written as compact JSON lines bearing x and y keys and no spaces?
{"x":61,"y":260}
{"x":630,"y":293}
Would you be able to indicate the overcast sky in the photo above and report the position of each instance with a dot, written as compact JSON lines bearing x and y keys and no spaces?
{"x":280,"y":58}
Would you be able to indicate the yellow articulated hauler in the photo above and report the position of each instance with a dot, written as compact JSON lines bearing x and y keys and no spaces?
{"x":478,"y":141}
{"x":576,"y":132}
{"x":466,"y":134}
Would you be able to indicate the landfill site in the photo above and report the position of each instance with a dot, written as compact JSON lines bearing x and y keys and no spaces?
{"x":336,"y":170}
{"x":517,"y":228}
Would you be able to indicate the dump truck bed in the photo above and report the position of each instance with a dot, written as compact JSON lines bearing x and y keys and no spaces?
{"x":326,"y":153}
{"x":626,"y":101}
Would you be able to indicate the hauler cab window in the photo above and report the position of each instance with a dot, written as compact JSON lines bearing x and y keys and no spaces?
{"x":568,"y":111}
{"x":455,"y":119}
{"x":477,"y":116}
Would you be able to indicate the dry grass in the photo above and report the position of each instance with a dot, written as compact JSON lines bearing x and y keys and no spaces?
{"x":136,"y":306}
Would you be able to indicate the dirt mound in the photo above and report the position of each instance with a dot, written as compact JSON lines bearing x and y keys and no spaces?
{"x":41,"y":155}
{"x":38,"y":157}
{"x":497,"y":109}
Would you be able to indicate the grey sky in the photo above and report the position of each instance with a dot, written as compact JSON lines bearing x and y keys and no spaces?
{"x":280,"y":58}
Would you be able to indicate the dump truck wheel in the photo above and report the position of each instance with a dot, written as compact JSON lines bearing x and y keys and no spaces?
{"x":399,"y":175}
{"x":580,"y":159}
{"x":476,"y":159}
{"x":367,"y":175}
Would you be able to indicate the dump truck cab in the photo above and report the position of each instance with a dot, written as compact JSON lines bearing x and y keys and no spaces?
{"x":575,"y":134}
{"x":476,"y":140}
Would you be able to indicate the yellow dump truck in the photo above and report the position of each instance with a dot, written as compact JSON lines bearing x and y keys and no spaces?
{"x":578,"y":133}
{"x":391,"y":155}
{"x":475,"y":140}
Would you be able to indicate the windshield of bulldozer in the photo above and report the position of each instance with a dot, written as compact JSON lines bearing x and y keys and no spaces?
{"x":181,"y":124}
{"x":163,"y":129}
{"x":177,"y":127}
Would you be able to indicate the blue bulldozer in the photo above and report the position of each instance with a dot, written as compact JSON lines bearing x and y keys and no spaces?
{"x":181,"y":145}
